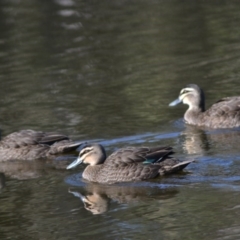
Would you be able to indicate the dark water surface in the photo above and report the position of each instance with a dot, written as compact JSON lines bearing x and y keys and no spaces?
{"x":106,"y":71}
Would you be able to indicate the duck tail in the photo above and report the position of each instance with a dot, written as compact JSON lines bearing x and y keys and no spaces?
{"x":175,"y":168}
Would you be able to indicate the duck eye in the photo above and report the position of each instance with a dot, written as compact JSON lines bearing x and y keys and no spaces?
{"x":184,"y":91}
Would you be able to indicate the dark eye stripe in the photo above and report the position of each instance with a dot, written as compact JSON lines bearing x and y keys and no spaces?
{"x":184,"y":91}
{"x":86,"y":150}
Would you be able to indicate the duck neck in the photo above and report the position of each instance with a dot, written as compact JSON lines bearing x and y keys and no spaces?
{"x":194,"y":115}
{"x":91,"y":172}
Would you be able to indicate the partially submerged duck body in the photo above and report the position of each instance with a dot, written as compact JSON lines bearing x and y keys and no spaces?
{"x":30,"y":145}
{"x":225,"y":113}
{"x":127,"y":164}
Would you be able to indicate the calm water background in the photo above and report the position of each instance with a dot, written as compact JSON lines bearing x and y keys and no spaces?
{"x":106,"y":71}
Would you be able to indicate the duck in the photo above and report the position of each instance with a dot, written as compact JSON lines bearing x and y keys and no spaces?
{"x":30,"y":144}
{"x":126,"y":164}
{"x":225,"y":113}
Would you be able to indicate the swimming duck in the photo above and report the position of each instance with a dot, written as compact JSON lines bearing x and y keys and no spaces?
{"x":127,"y":164}
{"x":30,"y":145}
{"x":225,"y":113}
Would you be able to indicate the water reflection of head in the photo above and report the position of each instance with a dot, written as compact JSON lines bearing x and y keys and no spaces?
{"x":94,"y":202}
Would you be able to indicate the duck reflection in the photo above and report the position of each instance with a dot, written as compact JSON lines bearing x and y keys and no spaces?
{"x":194,"y":140}
{"x":2,"y":181}
{"x":197,"y":140}
{"x":23,"y":170}
{"x":98,"y":198}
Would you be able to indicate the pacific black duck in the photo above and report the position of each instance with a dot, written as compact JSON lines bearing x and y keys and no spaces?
{"x":225,"y":113}
{"x":30,"y":145}
{"x":127,"y":164}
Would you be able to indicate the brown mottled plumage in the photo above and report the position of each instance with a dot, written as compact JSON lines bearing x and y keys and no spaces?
{"x":225,"y":113}
{"x":30,"y":145}
{"x":127,"y":164}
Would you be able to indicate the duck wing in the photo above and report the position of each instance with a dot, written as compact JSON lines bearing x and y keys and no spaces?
{"x":137,"y":155}
{"x":225,"y":106}
{"x":134,"y":164}
{"x":31,"y":137}
{"x":223,"y":114}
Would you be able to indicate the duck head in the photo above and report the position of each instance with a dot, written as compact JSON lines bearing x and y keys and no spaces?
{"x":92,"y":154}
{"x":192,"y":95}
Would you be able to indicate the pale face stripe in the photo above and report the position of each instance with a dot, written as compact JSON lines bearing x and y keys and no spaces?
{"x":85,"y":152}
{"x":186,"y":89}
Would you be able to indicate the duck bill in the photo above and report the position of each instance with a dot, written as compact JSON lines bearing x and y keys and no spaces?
{"x":75,"y":163}
{"x":175,"y":102}
{"x":77,"y":194}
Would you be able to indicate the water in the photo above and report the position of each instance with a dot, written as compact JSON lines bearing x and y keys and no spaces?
{"x":106,"y":71}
